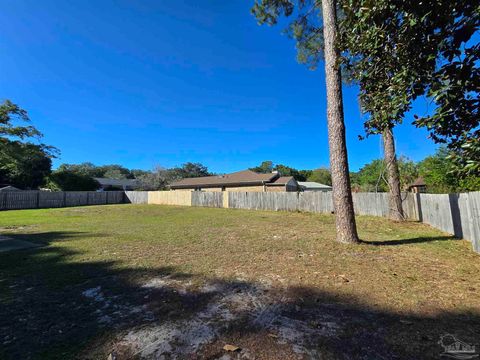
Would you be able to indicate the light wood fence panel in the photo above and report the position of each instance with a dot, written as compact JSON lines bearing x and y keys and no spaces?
{"x":208,"y":198}
{"x":182,"y":198}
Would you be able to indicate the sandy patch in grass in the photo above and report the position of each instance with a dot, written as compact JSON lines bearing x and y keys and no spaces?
{"x":233,"y":306}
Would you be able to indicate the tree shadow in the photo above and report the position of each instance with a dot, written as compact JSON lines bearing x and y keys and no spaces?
{"x":52,"y":306}
{"x":417,"y":240}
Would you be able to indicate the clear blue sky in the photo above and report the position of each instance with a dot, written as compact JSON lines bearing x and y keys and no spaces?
{"x":144,"y":83}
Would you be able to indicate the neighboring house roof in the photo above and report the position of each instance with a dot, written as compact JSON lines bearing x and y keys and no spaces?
{"x":245,"y":177}
{"x":9,"y":188}
{"x":313,"y":185}
{"x":281,"y":181}
{"x":418,"y":182}
{"x":117,"y":182}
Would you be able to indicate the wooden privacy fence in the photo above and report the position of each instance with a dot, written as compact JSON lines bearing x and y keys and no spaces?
{"x":10,"y":200}
{"x":457,"y":214}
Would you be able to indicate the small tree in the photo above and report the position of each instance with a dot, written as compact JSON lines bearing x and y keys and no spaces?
{"x":322,"y":176}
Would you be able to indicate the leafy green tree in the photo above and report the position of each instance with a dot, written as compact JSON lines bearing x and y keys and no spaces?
{"x":68,"y":180}
{"x":408,"y":170}
{"x":436,"y":171}
{"x":299,"y":175}
{"x":372,"y":178}
{"x":23,"y":163}
{"x":86,"y":168}
{"x":304,"y":174}
{"x":267,"y":167}
{"x":264,"y":168}
{"x":322,"y":176}
{"x":400,"y":50}
{"x":115,"y":172}
{"x":189,"y":170}
{"x":112,"y":171}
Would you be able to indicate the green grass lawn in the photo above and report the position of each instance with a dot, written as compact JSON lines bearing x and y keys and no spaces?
{"x":396,"y":293}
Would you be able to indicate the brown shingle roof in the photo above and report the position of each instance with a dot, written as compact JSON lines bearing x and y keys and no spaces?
{"x":245,"y":177}
{"x":282,"y":180}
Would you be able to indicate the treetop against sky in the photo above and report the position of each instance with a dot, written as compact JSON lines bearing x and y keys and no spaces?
{"x":150,"y":83}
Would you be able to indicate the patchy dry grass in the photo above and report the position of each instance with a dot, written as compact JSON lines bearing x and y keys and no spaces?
{"x":86,"y":292}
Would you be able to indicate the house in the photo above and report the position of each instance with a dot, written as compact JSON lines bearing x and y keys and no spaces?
{"x":117,"y":184}
{"x":245,"y":180}
{"x":9,"y":188}
{"x":418,"y":186}
{"x":313,"y":186}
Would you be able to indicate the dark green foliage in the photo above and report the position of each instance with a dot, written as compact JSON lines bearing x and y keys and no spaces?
{"x":400,"y":50}
{"x":189,"y":170}
{"x":264,"y":168}
{"x":322,"y":176}
{"x":438,"y":172}
{"x":267,"y":167}
{"x":23,"y":163}
{"x":67,"y":180}
{"x":112,"y":171}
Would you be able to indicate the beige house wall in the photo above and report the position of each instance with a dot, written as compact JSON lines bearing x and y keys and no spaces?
{"x":275,"y":188}
{"x":258,"y":188}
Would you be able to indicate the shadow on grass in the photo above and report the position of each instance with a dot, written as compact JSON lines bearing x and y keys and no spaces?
{"x":52,"y":307}
{"x":417,"y":240}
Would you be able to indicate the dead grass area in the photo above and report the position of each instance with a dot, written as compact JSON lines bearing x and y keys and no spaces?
{"x":160,"y":282}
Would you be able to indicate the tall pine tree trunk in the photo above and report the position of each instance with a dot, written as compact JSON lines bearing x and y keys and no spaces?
{"x":342,"y":194}
{"x":394,"y":196}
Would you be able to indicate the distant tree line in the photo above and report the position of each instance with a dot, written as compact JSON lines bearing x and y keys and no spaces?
{"x":437,"y":170}
{"x":25,"y":162}
{"x":82,"y":176}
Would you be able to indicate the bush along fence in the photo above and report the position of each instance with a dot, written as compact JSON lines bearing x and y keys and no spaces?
{"x":456,"y":214}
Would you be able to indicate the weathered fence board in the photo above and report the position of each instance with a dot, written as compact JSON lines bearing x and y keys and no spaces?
{"x":315,"y":201}
{"x":52,"y":199}
{"x":434,"y":209}
{"x":375,"y":204}
{"x":76,"y":198}
{"x":12,"y":200}
{"x":136,"y":197}
{"x":115,"y":197}
{"x":474,"y":219}
{"x":207,"y":199}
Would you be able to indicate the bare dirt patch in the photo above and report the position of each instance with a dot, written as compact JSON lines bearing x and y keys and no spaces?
{"x":258,"y":318}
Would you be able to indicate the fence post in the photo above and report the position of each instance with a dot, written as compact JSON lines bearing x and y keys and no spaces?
{"x":38,"y":200}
